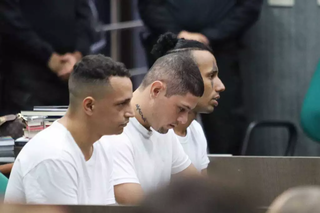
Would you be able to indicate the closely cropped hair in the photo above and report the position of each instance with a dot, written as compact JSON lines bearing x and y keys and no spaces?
{"x":177,"y":69}
{"x":94,"y":71}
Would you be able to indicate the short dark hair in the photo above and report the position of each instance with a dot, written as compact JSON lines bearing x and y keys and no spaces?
{"x":92,"y":72}
{"x":177,"y":69}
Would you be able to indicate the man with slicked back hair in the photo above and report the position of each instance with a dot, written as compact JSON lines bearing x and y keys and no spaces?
{"x":190,"y":134}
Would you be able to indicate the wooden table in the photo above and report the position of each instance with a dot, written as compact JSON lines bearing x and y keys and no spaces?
{"x":264,"y":178}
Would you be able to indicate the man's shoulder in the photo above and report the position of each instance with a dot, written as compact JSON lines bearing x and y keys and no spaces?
{"x":28,"y":160}
{"x":56,"y":130}
{"x":50,"y":144}
{"x":195,"y":125}
{"x":195,"y":128}
{"x":50,"y":139}
{"x":197,"y":134}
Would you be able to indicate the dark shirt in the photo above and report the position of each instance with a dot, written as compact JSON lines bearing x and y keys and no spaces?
{"x":196,"y":15}
{"x":37,"y":28}
{"x":218,"y":20}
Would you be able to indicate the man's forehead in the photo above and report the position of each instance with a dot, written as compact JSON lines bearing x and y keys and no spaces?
{"x":121,"y":99}
{"x":207,"y":65}
{"x":120,"y":87}
{"x":188,"y":100}
{"x":116,"y":80}
{"x":120,"y":83}
{"x":215,"y":67}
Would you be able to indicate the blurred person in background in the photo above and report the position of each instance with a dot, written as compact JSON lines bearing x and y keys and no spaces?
{"x":303,"y":199}
{"x":198,"y":195}
{"x":41,"y":41}
{"x":220,"y":24}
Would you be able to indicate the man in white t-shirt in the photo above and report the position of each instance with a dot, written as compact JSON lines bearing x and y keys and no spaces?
{"x":66,"y":163}
{"x":190,"y":134}
{"x":148,"y":153}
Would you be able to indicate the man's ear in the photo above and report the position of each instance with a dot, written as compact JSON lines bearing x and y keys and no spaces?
{"x":88,"y":105}
{"x":156,"y":88}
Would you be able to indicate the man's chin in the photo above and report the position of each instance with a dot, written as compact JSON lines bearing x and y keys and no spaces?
{"x":210,"y":110}
{"x":118,"y":132}
{"x":206,"y":111}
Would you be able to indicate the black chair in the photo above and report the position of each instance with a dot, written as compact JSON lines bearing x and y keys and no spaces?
{"x":291,"y":127}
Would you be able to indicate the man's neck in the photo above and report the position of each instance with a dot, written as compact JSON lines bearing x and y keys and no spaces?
{"x":80,"y":132}
{"x":140,"y":110}
{"x":181,"y":129}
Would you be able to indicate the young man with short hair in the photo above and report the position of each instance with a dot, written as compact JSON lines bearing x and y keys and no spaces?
{"x":66,"y":163}
{"x":148,"y":153}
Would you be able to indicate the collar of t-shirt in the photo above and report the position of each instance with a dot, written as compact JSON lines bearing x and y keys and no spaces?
{"x":57,"y":124}
{"x":138,"y":126}
{"x":91,"y":163}
{"x":184,"y":139}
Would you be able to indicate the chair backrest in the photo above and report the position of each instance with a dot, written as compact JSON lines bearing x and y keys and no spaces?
{"x":3,"y":184}
{"x":310,"y":113}
{"x":291,"y":127}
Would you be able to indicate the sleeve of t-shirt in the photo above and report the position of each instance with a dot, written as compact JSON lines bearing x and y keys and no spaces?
{"x":111,"y":197}
{"x":205,"y":159}
{"x":204,"y":145}
{"x":124,"y":170}
{"x":180,"y":160}
{"x":15,"y":189}
{"x":51,"y":182}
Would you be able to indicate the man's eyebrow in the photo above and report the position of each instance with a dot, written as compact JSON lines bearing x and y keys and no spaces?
{"x":185,"y":106}
{"x":212,"y":72}
{"x":123,"y":101}
{"x":214,"y":69}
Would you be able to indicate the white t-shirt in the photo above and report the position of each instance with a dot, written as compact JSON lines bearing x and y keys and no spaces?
{"x":51,"y":169}
{"x":146,"y":157}
{"x":195,"y":145}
